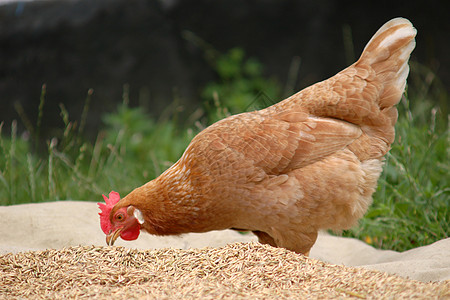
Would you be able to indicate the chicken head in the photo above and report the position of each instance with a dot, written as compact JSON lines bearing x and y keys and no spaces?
{"x":124,"y":222}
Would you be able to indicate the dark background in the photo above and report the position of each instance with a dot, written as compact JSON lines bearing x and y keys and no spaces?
{"x":72,"y":46}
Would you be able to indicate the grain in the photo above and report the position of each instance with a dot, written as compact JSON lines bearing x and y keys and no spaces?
{"x":236,"y":271}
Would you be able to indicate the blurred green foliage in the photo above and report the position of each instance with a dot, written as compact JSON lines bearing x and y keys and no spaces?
{"x":240,"y":87}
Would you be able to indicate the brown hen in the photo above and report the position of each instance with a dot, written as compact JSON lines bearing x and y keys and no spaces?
{"x":307,"y":163}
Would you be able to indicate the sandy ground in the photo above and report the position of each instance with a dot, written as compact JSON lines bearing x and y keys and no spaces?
{"x":56,"y":225}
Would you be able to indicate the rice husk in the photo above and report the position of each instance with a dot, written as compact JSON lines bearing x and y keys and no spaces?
{"x":235,"y":271}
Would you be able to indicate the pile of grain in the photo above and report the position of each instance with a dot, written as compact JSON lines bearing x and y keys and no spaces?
{"x":234,"y":271}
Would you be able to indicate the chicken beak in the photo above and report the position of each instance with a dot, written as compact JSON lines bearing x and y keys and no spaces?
{"x":112,"y":237}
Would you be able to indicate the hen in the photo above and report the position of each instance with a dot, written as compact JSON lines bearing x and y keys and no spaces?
{"x":307,"y":163}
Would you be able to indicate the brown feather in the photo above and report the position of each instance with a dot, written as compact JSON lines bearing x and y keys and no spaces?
{"x":310,"y":162}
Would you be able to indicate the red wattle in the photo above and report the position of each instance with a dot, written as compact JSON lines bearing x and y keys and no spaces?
{"x":131,"y":234}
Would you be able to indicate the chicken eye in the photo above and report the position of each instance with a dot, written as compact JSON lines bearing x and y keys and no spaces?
{"x":119,"y":217}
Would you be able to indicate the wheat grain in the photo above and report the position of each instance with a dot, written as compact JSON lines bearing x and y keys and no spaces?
{"x":241,"y":270}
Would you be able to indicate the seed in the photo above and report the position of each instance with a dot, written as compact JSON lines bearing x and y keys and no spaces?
{"x":240,"y":270}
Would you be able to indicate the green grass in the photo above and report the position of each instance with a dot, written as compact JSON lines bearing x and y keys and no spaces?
{"x":130,"y":150}
{"x":410,"y":205}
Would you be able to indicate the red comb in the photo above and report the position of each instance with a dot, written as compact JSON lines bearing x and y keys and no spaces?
{"x":105,"y":223}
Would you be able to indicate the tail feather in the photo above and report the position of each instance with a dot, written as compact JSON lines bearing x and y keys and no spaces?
{"x":387,"y":53}
{"x":366,"y":92}
{"x":396,"y":35}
